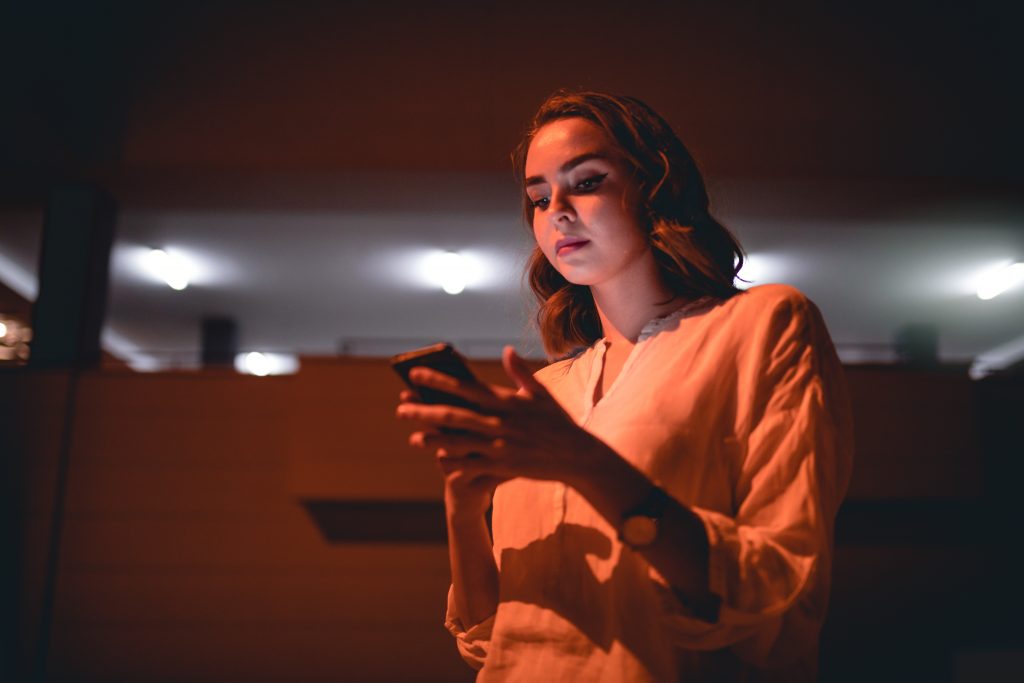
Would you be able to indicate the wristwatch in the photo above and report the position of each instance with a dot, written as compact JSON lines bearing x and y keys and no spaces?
{"x":640,"y":523}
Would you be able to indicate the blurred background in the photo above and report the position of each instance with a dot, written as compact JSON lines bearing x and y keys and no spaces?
{"x":218,"y":220}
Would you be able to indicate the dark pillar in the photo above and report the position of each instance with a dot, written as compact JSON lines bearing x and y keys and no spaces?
{"x":73,"y":270}
{"x":220,"y":341}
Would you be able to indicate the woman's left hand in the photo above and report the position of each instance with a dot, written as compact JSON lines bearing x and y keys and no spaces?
{"x":523,"y":433}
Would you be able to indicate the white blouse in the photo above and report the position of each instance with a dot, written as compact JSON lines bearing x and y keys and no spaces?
{"x":739,"y":411}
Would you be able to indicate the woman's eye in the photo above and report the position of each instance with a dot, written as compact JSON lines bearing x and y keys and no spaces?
{"x":591,"y":183}
{"x":540,"y":202}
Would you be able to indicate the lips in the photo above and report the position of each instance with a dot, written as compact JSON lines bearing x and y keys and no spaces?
{"x":567,"y":245}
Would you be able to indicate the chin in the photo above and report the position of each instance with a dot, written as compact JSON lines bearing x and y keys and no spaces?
{"x":578,"y":278}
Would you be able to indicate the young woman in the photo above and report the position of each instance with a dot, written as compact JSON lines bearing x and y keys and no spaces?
{"x":664,"y":496}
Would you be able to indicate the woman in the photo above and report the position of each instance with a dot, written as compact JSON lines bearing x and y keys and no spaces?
{"x":664,"y":496}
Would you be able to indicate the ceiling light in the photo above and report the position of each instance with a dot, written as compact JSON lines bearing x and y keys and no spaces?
{"x":449,"y":270}
{"x":996,"y":281}
{"x":261,"y":363}
{"x":20,"y":279}
{"x":999,"y":358}
{"x":3,"y":330}
{"x":123,"y":348}
{"x":171,"y":268}
{"x":453,"y":276}
{"x":256,"y":364}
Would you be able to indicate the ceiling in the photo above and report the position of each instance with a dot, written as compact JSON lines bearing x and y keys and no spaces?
{"x":308,"y":156}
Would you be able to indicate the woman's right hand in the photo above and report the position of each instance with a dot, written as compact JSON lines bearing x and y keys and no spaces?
{"x":466,"y":496}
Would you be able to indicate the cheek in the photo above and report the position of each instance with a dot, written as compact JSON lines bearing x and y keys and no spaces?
{"x":624,"y":229}
{"x":541,"y":233}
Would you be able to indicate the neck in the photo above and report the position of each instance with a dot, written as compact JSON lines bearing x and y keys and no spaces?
{"x":625,"y":307}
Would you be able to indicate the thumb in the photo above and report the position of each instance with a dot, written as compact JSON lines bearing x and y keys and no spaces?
{"x":516,"y":369}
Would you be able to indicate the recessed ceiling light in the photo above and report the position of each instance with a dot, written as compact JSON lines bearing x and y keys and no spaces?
{"x":261,"y":363}
{"x":451,"y":271}
{"x":170,"y":268}
{"x":998,"y":280}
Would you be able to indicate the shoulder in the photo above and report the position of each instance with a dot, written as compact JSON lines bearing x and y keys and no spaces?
{"x":766,"y":317}
{"x":772,"y":306}
{"x":554,"y":372}
{"x":562,"y":371}
{"x":771,"y":297}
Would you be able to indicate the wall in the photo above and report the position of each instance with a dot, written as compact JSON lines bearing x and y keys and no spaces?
{"x":186,"y":553}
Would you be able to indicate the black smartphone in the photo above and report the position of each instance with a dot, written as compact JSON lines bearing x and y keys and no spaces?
{"x":441,"y":357}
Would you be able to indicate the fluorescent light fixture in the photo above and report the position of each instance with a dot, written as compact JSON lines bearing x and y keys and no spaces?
{"x":261,"y":363}
{"x":1001,"y":357}
{"x":20,"y":279}
{"x":128,"y":351}
{"x":997,"y":280}
{"x":170,"y":267}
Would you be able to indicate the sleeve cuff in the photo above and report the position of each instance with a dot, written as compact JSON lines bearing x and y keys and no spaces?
{"x":703,"y":616}
{"x":472,"y":642}
{"x":734,"y":607}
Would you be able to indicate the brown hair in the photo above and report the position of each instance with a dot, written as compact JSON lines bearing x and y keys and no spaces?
{"x":697,"y":257}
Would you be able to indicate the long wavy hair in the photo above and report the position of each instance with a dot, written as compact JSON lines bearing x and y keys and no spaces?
{"x":697,"y":257}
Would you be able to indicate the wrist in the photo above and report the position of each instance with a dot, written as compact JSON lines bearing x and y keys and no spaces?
{"x":611,"y":484}
{"x":463,"y":517}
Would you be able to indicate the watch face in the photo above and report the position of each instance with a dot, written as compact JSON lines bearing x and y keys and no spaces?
{"x":639,"y":530}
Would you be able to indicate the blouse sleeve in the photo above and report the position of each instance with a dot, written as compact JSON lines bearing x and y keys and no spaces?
{"x":473,"y":642}
{"x":770,"y":562}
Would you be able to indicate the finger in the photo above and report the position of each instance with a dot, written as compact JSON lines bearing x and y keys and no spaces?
{"x":474,"y":392}
{"x":408,"y":396}
{"x":517,"y":370}
{"x":430,"y":439}
{"x":445,"y":453}
{"x":452,"y":465}
{"x":468,"y":468}
{"x":452,"y":417}
{"x":454,"y":445}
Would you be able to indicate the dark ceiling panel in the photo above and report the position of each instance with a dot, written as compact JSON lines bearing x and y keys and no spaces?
{"x":786,"y":90}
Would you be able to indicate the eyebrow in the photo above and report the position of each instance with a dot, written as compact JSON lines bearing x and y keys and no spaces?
{"x":567,"y":166}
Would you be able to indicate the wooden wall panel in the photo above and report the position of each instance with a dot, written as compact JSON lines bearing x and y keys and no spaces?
{"x":187,"y":554}
{"x":915,"y":433}
{"x":257,"y":652}
{"x":344,"y":441}
{"x":185,"y":557}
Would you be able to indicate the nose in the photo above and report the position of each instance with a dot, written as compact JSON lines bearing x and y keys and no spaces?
{"x":561,"y":209}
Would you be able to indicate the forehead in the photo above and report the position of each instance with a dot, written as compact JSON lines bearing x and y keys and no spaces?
{"x":561,"y":140}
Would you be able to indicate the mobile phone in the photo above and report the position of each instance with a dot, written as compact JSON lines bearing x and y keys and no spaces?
{"x":441,"y":357}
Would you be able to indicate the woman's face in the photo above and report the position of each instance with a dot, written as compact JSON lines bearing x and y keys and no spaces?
{"x":584,"y":216}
